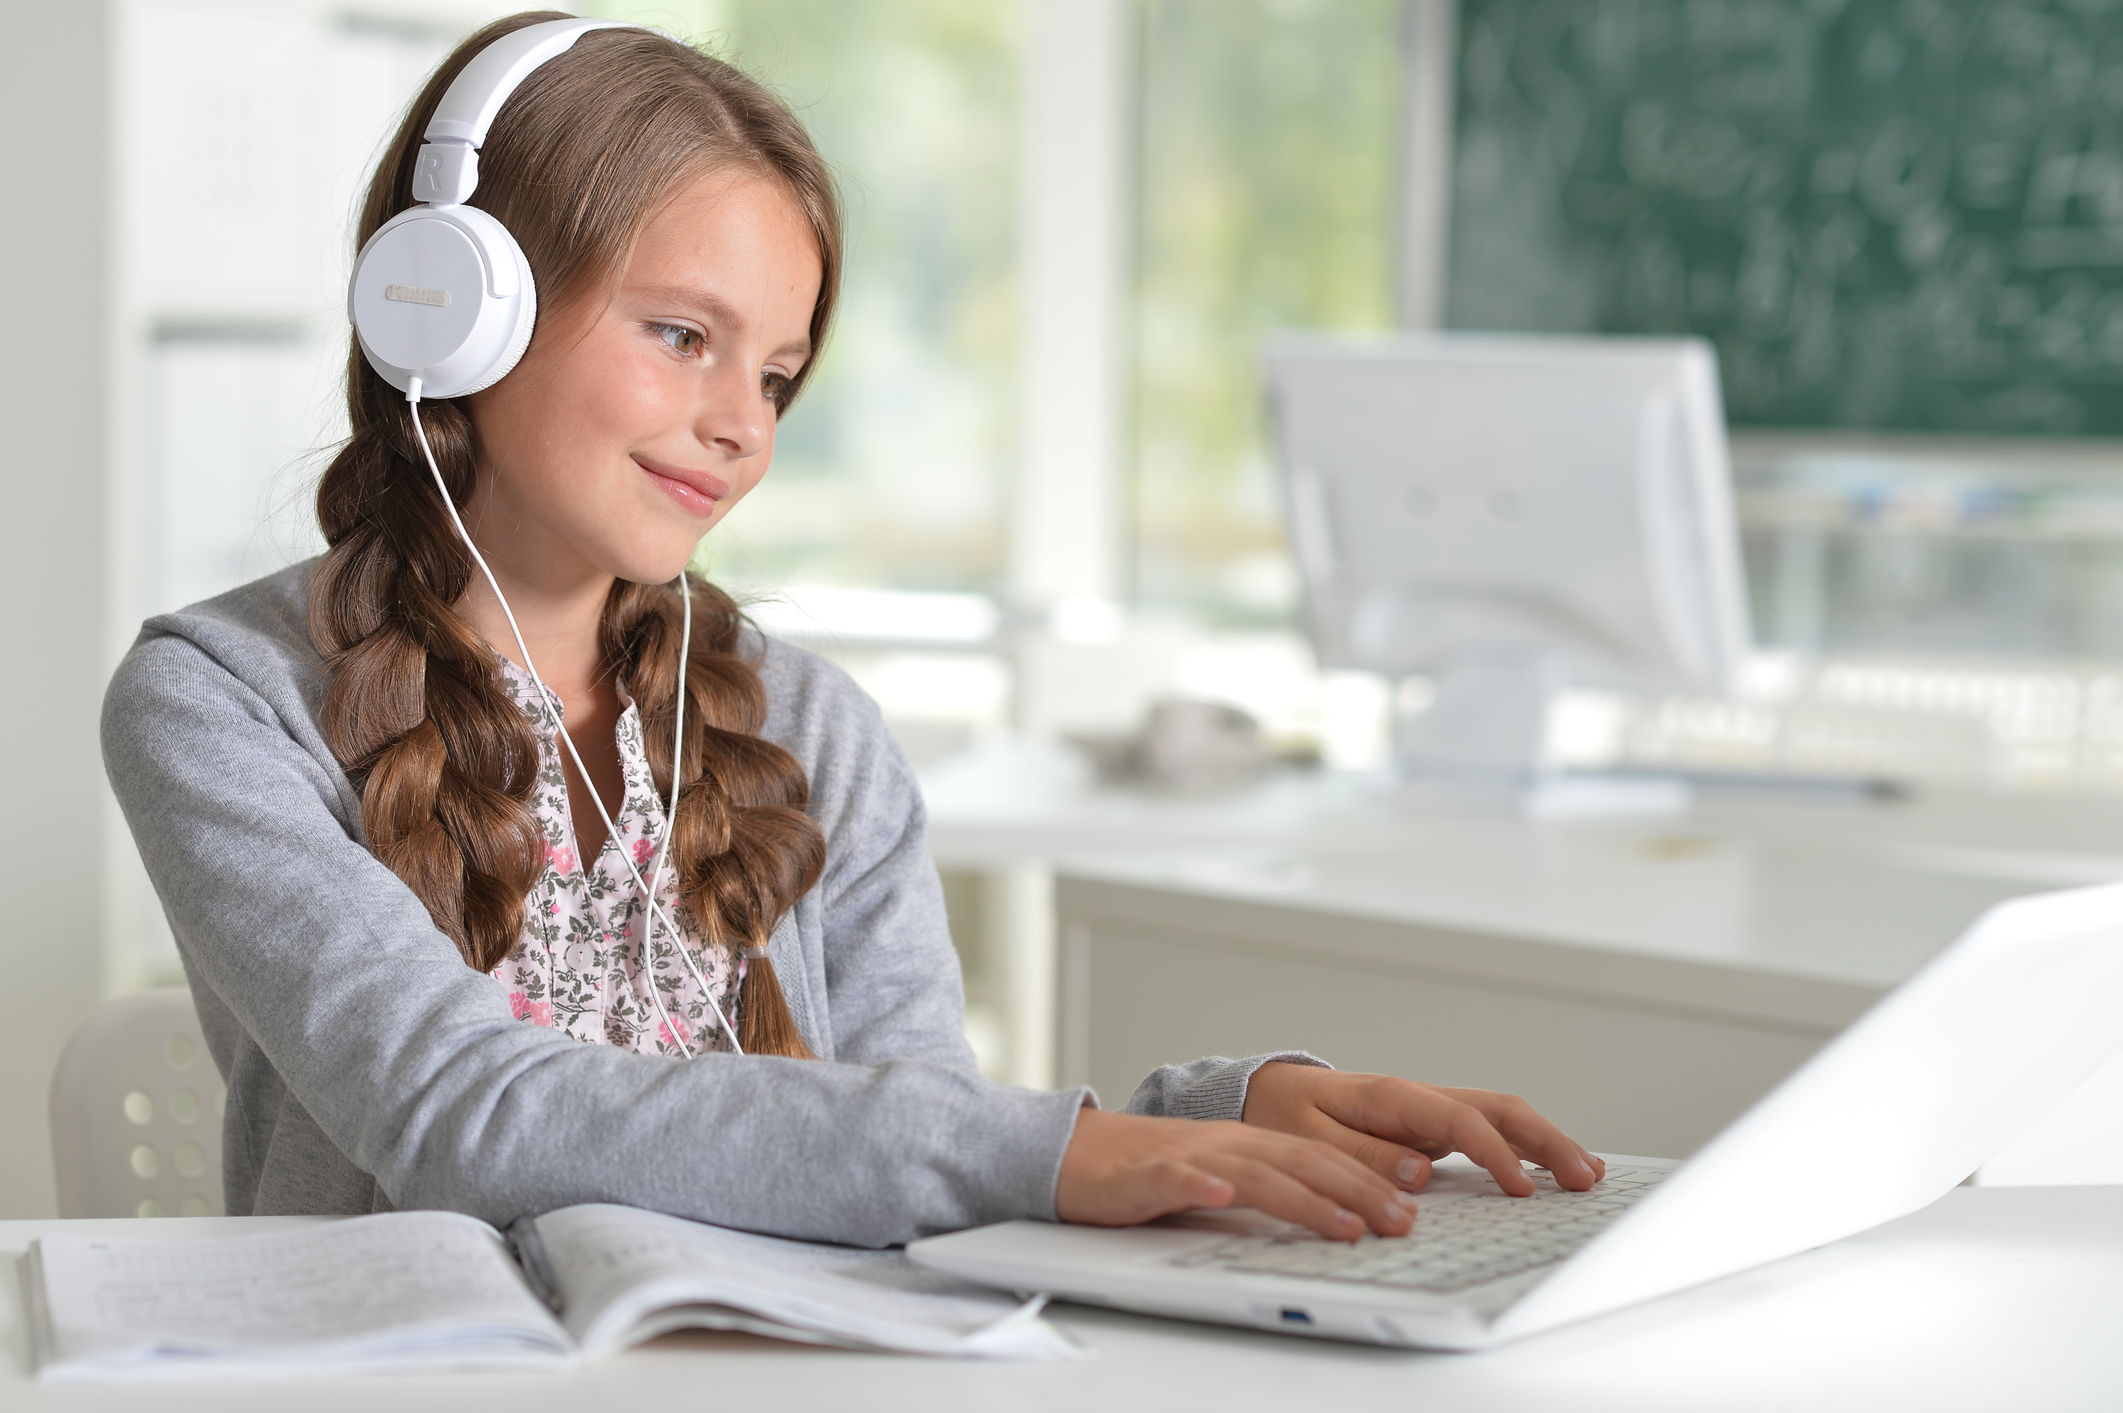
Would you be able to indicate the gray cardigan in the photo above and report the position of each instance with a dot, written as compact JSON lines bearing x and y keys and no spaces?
{"x":369,"y":1067}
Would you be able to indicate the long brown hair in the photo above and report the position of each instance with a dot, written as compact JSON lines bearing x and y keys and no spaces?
{"x":581,"y":156}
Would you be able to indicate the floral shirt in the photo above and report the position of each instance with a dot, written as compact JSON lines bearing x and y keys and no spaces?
{"x":578,"y":965}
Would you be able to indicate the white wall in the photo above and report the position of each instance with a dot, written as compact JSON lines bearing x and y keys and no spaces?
{"x":1066,"y":514}
{"x":160,"y":267}
{"x":58,"y":373}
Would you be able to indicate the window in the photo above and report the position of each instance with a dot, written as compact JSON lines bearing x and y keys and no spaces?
{"x":892,"y":469}
{"x":1266,"y":194}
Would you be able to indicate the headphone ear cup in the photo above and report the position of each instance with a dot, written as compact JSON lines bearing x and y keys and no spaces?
{"x":526,"y":319}
{"x":445,"y":295}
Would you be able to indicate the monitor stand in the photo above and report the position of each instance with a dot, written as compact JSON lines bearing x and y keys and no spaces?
{"x":1482,"y":742}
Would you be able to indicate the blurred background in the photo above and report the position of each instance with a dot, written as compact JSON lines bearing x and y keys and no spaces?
{"x":1206,"y":171}
{"x":1069,"y":226}
{"x":1029,"y":493}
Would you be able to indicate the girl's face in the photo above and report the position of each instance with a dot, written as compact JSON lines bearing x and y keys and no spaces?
{"x":631,"y":427}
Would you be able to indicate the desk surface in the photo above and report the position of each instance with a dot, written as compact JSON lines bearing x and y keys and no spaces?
{"x":1833,"y":888}
{"x":1992,"y":1298}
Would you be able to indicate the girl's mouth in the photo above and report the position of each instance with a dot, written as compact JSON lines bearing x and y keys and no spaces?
{"x":696,"y":492}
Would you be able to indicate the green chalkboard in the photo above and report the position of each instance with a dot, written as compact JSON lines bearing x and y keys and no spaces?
{"x":1886,"y":213}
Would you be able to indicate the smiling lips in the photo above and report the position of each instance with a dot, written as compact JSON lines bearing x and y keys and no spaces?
{"x":695,"y":491}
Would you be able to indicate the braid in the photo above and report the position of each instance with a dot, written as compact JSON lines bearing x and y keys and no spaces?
{"x":742,"y":845}
{"x":414,"y":707}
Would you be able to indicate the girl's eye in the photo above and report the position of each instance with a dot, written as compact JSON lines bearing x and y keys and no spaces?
{"x":684,"y":342}
{"x":776,"y":387}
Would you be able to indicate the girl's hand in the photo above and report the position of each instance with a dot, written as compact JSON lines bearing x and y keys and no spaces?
{"x":1121,"y":1169}
{"x":1394,"y":1127}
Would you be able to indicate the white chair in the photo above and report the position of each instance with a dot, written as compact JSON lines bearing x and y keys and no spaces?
{"x":136,"y":1112}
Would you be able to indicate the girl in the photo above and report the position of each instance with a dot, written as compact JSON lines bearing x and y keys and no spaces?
{"x":409,"y":912}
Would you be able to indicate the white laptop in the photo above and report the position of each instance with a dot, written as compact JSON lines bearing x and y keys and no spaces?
{"x":1987,"y":1037}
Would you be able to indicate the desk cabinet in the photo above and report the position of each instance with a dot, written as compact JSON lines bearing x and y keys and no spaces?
{"x":1627,"y":1054}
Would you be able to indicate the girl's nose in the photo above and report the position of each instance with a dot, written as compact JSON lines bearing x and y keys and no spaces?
{"x":733,"y":418}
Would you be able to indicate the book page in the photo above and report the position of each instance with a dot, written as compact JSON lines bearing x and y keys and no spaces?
{"x":399,"y":1289}
{"x":626,"y":1275}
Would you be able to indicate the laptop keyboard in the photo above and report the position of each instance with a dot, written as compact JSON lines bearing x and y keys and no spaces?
{"x":1454,"y":1245}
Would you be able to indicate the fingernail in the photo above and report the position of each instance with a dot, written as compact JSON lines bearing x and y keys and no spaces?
{"x":1343,"y":1217}
{"x":1409,"y":1170}
{"x":1406,"y":1199}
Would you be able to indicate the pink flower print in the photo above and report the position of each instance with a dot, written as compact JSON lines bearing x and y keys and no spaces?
{"x":644,"y":850}
{"x":673,"y":1033}
{"x":536,"y":1012}
{"x":561,"y":857}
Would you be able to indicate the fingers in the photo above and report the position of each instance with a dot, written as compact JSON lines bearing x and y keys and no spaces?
{"x":1133,"y":1193}
{"x":1337,"y":1168}
{"x":1280,"y":1195}
{"x":1495,"y":1130}
{"x":1146,"y":1192}
{"x":1407,"y":1169}
{"x":1395,"y":1126}
{"x":1121,"y":1169}
{"x":1311,"y":1183}
{"x":1470,"y":1132}
{"x":1410,"y":1169}
{"x":1532,"y":1137}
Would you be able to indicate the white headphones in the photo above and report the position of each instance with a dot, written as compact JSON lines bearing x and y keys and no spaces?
{"x":442,"y":292}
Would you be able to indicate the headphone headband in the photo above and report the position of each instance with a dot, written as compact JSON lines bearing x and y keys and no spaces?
{"x":447,"y":170}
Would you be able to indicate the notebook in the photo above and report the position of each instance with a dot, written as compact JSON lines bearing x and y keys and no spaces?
{"x":403,"y":1291}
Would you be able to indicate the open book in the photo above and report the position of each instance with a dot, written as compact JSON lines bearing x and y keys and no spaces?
{"x":436,"y":1290}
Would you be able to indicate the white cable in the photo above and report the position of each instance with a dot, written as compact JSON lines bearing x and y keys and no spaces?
{"x":678,"y":740}
{"x":678,"y":743}
{"x":655,"y":909}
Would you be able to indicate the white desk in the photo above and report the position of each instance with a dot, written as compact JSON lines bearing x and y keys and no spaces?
{"x":1992,"y":1299}
{"x":1641,"y":981}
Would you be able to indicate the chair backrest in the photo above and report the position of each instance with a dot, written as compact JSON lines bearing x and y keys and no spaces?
{"x":136,"y":1112}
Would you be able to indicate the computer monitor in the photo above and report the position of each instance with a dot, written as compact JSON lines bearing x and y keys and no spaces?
{"x":1507,"y":515}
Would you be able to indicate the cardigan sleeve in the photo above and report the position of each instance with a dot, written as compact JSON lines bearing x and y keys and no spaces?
{"x":1211,"y":1088}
